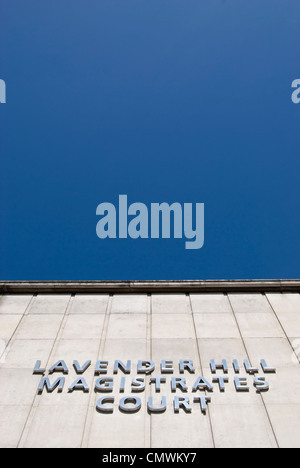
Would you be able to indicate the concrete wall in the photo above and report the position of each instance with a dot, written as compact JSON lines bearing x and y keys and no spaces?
{"x":200,"y":327}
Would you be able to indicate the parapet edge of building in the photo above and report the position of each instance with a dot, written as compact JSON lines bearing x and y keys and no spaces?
{"x":161,"y":286}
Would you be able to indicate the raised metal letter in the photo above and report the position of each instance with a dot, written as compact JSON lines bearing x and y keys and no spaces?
{"x":182,"y":402}
{"x":241,"y":384}
{"x":203,"y":402}
{"x":136,"y":404}
{"x":101,"y":404}
{"x":45,"y":382}
{"x":104,"y":384}
{"x":157,"y":409}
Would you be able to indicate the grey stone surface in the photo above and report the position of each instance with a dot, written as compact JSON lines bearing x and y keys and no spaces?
{"x":210,"y":303}
{"x":89,"y":304}
{"x":118,"y":426}
{"x":181,"y":430}
{"x":129,"y":304}
{"x":49,"y":304}
{"x":43,"y":327}
{"x":284,"y":387}
{"x":170,"y":304}
{"x":216,"y":326}
{"x":17,"y":388}
{"x":242,"y":427}
{"x":284,"y":302}
{"x":167,"y":326}
{"x":78,"y":349}
{"x":199,"y":326}
{"x":8,"y":325}
{"x":285,"y":420}
{"x":223,"y":348}
{"x":56,"y":427}
{"x":22,"y":354}
{"x":123,"y":349}
{"x":83,"y":326}
{"x":275,"y":350}
{"x":259,"y":325}
{"x":12,"y":421}
{"x":14,"y":304}
{"x":127,"y":326}
{"x":249,"y":303}
{"x":290,"y":324}
{"x":174,"y":349}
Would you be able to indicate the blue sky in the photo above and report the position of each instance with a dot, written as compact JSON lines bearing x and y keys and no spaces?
{"x":186,"y":101}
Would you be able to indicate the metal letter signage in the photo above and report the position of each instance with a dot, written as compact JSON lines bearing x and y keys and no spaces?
{"x":2,"y":92}
{"x":183,"y":388}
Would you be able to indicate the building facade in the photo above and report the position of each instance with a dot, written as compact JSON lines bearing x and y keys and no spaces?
{"x":198,"y":364}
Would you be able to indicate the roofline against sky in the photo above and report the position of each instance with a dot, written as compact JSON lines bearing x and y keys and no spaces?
{"x":163,"y":286}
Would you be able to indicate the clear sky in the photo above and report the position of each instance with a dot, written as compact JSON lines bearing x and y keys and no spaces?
{"x":162,"y":100}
